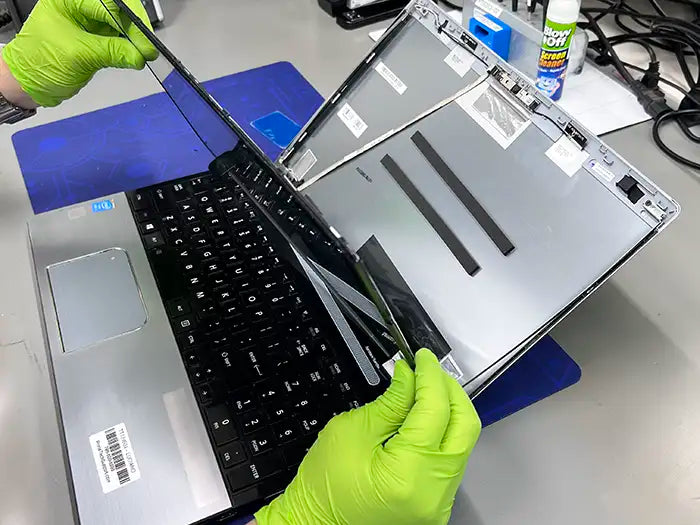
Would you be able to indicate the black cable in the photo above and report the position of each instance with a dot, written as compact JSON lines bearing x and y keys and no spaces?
{"x":675,"y":86}
{"x":673,"y":115}
{"x":678,"y":36}
{"x":657,"y":7}
{"x":593,"y":26}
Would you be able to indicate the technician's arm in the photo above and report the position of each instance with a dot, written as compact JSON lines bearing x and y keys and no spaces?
{"x":63,"y":44}
{"x":11,"y":90}
{"x":398,"y":460}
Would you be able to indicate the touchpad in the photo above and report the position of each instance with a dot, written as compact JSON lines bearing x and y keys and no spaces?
{"x":96,"y":298}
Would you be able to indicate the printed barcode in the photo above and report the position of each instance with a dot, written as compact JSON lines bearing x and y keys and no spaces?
{"x":117,"y":455}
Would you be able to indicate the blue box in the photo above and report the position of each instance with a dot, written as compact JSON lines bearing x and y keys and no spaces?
{"x":492,"y":32}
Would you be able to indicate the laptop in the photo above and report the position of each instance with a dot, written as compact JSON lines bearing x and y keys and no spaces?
{"x":200,"y":332}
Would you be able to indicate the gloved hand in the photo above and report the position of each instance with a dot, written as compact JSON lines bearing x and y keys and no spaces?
{"x":64,"y":42}
{"x":398,"y":460}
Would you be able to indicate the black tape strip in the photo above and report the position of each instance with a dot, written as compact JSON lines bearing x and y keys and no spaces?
{"x":414,"y":322}
{"x":463,"y":194}
{"x":444,"y":231}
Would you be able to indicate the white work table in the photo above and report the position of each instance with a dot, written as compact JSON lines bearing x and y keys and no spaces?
{"x":621,"y":446}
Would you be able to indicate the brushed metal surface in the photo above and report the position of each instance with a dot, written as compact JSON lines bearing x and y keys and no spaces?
{"x":567,"y":231}
{"x":123,"y":380}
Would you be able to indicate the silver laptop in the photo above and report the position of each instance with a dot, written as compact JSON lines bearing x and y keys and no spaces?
{"x":200,"y":332}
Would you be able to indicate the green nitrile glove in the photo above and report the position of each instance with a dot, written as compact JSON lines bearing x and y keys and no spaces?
{"x":398,"y":460}
{"x":64,"y":42}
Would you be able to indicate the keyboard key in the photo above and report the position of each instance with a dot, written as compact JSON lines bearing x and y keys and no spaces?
{"x":262,"y":467}
{"x":230,"y":308}
{"x":199,"y":241}
{"x":295,"y":452}
{"x":221,"y":424}
{"x":232,"y":454}
{"x":201,"y":374}
{"x":177,"y":307}
{"x":250,"y":298}
{"x":278,"y":411}
{"x":184,"y":324}
{"x":190,"y":358}
{"x":145,"y":215}
{"x":251,"y":421}
{"x":286,"y":431}
{"x":153,"y":240}
{"x":188,"y":341}
{"x":261,"y":442}
{"x":242,"y":400}
{"x":190,"y":217}
{"x":205,"y":309}
{"x":205,"y":394}
{"x":185,"y":206}
{"x":269,"y":391}
{"x":165,"y":198}
{"x":310,"y":424}
{"x":140,"y":200}
{"x":263,"y":490}
{"x":194,"y":229}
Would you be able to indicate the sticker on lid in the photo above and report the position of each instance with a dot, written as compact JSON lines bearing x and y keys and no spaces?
{"x":460,"y":60}
{"x":566,"y":154}
{"x":499,"y":118}
{"x":388,"y":75}
{"x":597,"y":168}
{"x":352,"y":120}
{"x":450,"y":366}
{"x":303,"y":165}
{"x":114,"y":458}
{"x":390,"y":365}
{"x":488,"y":7}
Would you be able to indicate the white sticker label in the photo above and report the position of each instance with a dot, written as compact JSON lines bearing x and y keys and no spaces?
{"x":493,"y":26}
{"x":460,"y":60}
{"x":352,"y":120}
{"x":390,"y":365}
{"x":604,"y":173}
{"x":304,"y":164}
{"x":388,"y":75}
{"x":449,"y":365}
{"x":499,"y":118}
{"x":488,"y":7}
{"x":114,"y":458}
{"x":566,"y":154}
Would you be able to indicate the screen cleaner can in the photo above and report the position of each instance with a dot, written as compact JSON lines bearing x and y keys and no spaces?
{"x":559,"y":28}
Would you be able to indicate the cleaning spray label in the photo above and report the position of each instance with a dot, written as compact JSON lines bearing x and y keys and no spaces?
{"x":554,"y":57}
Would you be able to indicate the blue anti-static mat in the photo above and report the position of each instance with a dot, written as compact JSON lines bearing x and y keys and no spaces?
{"x":146,"y":141}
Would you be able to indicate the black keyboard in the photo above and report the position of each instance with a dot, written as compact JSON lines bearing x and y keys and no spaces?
{"x":257,"y":345}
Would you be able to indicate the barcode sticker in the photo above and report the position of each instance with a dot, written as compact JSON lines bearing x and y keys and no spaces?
{"x":352,"y":120}
{"x":597,"y":168}
{"x":388,"y":75}
{"x":460,"y":60}
{"x":114,"y":458}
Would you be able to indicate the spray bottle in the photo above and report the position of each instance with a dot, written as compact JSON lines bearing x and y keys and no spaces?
{"x":559,"y":28}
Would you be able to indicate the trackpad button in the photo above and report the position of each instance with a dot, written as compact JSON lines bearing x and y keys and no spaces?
{"x":96,"y":298}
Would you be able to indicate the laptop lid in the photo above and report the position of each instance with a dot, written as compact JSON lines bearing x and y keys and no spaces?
{"x":499,"y":211}
{"x":484,"y":212}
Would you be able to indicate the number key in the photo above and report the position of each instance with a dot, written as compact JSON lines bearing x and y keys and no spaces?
{"x":286,"y":431}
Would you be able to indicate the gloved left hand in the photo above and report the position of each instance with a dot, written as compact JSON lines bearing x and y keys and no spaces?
{"x":64,"y":43}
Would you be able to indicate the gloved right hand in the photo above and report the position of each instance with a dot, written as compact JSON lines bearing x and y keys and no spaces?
{"x":398,"y":460}
{"x":64,"y":43}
